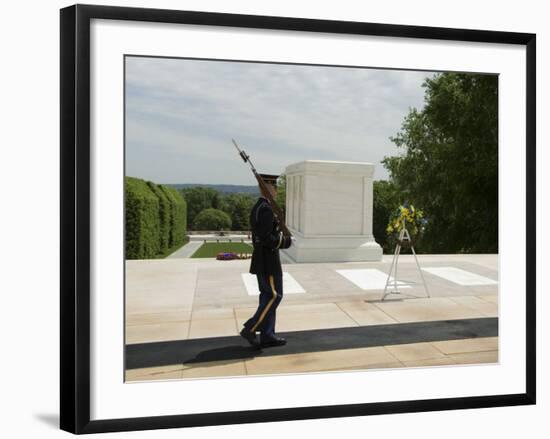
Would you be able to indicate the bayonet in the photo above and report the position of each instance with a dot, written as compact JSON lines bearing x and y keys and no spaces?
{"x":276,"y":209}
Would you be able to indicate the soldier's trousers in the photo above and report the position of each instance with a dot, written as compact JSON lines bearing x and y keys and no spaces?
{"x":271,"y":294}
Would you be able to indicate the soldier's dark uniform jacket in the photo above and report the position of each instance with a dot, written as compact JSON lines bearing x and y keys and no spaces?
{"x":267,"y":239}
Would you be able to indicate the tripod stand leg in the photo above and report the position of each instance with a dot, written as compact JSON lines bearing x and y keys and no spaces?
{"x":421,"y":274}
{"x":394,"y":267}
{"x":398,"y":251}
{"x":390,"y":272}
{"x":395,"y":275}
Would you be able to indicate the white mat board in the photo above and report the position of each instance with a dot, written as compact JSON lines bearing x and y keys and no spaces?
{"x":370,"y":278}
{"x":459,"y":276}
{"x":290,"y":285}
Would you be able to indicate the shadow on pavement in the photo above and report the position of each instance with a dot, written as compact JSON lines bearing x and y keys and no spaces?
{"x":205,"y":350}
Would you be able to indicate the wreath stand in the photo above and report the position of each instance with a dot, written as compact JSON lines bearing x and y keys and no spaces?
{"x":404,"y":236}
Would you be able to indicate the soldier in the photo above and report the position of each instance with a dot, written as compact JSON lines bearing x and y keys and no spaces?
{"x":267,"y":239}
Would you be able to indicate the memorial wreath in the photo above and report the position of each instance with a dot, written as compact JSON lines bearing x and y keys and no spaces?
{"x":409,"y":217}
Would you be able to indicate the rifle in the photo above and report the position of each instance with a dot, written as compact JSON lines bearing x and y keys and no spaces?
{"x":276,"y":209}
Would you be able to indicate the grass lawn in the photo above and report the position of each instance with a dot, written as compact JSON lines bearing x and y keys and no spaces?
{"x":211,"y":249}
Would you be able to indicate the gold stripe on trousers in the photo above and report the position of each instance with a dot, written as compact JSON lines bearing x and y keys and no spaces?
{"x":266,"y":309}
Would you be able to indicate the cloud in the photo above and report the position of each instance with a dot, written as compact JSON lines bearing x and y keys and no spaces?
{"x":181,"y":115}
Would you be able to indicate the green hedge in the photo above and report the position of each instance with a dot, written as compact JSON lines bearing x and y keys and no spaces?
{"x":155,"y":219}
{"x":178,"y":216}
{"x":164,"y":216}
{"x":142,"y":220}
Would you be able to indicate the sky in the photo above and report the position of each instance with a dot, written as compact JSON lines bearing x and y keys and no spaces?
{"x":181,"y":115}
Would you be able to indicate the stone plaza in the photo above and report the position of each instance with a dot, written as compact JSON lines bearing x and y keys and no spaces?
{"x":183,"y":316}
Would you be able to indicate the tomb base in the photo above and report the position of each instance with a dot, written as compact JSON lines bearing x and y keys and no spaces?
{"x":332,"y":249}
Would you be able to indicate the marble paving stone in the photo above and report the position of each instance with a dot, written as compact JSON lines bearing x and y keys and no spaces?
{"x":333,"y":319}
{"x":459,"y":276}
{"x":159,"y":304}
{"x":435,"y":308}
{"x":226,"y":302}
{"x":174,"y":371}
{"x":212,"y":328}
{"x":489,"y":298}
{"x":290,"y":285}
{"x":483,"y":306}
{"x":294,"y":314}
{"x":389,"y":365}
{"x":212,"y":314}
{"x":157,"y":332}
{"x":160,"y":317}
{"x":319,"y":361}
{"x":365,"y":313}
{"x":478,"y":290}
{"x":439,"y":361}
{"x":369,"y":278}
{"x":214,"y":369}
{"x":244,"y":313}
{"x":306,"y":309}
{"x":467,"y":345}
{"x":154,"y":286}
{"x":475,"y":357}
{"x":216,"y":285}
{"x":414,"y":351}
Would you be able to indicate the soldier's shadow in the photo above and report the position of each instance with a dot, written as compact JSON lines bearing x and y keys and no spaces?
{"x":224,"y":354}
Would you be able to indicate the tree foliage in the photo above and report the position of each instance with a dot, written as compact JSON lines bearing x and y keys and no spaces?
{"x":280,"y":199}
{"x":238,"y":207}
{"x":449,"y":166}
{"x":212,"y":219}
{"x":200,"y":198}
{"x":385,"y":201}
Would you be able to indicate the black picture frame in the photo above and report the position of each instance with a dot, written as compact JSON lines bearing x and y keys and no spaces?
{"x":75,"y":217}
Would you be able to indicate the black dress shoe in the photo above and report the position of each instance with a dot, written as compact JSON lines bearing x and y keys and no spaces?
{"x":250,"y":337}
{"x":272,"y":341}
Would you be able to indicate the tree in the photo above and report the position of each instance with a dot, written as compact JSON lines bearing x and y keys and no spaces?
{"x":385,"y":201}
{"x":238,"y":207}
{"x":449,"y":167}
{"x":212,"y":219}
{"x":280,"y":199}
{"x":200,"y":198}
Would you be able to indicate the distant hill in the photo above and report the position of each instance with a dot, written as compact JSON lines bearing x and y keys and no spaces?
{"x":223,"y":188}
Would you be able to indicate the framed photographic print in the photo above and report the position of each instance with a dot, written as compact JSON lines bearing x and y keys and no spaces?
{"x":305,"y":218}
